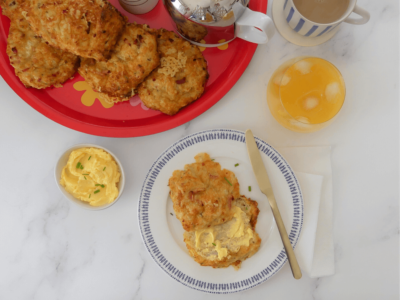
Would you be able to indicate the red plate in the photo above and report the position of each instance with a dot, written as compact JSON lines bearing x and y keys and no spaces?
{"x":129,"y":119}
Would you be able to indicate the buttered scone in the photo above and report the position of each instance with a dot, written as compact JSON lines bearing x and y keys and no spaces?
{"x":179,"y":80}
{"x":202,"y":194}
{"x":230,"y":243}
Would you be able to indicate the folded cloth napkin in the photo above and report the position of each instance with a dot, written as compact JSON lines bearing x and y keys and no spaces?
{"x":315,"y":250}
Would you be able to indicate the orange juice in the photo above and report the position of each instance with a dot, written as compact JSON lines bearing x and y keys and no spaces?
{"x":305,"y":94}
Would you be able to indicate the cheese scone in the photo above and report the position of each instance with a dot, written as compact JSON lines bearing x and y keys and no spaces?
{"x":202,"y":193}
{"x":179,"y":80}
{"x":88,"y":28}
{"x":229,"y":243}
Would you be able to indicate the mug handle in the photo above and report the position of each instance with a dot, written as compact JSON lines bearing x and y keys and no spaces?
{"x":358,"y":21}
{"x":247,"y":23}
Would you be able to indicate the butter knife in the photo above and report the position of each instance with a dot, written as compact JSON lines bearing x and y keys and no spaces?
{"x":266,"y":188}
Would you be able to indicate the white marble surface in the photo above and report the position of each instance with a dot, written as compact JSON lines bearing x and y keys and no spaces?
{"x":51,"y":249}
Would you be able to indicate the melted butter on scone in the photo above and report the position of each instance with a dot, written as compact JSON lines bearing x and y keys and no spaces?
{"x":208,"y":239}
{"x":171,"y":65}
{"x":214,"y":242}
{"x":222,"y":252}
{"x":237,"y":229}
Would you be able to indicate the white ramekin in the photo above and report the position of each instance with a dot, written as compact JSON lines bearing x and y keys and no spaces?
{"x":62,"y":161}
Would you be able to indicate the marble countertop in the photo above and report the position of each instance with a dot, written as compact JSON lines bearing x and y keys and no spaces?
{"x":52,"y":249}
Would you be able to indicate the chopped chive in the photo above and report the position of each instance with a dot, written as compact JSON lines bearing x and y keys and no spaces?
{"x":104,"y":168}
{"x":78,"y":165}
{"x":247,"y":208}
{"x":102,"y":186}
{"x":214,"y":244}
{"x":171,"y":214}
{"x":97,"y":191}
{"x":213,"y":159}
{"x":249,"y":188}
{"x":85,"y":177}
{"x":236,"y":165}
{"x":85,"y":174}
{"x":90,"y":195}
{"x":228,"y":181}
{"x":97,"y":184}
{"x":81,"y":167}
{"x":89,"y":157}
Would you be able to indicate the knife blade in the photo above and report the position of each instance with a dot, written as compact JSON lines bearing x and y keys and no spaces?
{"x":266,"y":188}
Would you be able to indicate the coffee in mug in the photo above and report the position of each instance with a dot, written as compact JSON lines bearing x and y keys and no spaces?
{"x":322,"y":11}
{"x":315,"y":18}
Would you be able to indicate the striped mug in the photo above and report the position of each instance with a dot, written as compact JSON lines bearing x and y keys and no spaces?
{"x":308,"y":28}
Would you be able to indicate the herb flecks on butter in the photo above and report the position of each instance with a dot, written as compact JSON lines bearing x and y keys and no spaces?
{"x":82,"y":185}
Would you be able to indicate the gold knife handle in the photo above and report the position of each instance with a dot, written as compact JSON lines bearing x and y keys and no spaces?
{"x":266,"y":188}
{"x":294,"y":265}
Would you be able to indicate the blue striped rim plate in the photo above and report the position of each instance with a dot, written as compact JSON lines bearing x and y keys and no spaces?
{"x":162,"y":233}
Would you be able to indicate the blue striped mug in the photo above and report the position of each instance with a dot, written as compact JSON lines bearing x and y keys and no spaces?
{"x":308,"y":28}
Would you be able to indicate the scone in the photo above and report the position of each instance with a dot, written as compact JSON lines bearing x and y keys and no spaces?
{"x":202,"y":193}
{"x":132,"y":60}
{"x":179,"y":80}
{"x":230,"y":243}
{"x":36,"y":63}
{"x":88,"y":28}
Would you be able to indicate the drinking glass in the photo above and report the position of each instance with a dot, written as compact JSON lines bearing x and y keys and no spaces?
{"x":305,"y":94}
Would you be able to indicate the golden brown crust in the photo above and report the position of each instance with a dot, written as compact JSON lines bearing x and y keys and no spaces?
{"x":168,"y":92}
{"x":235,"y":259}
{"x":201,"y":194}
{"x":36,"y":63}
{"x":11,"y":8}
{"x":253,"y":211}
{"x":88,"y":28}
{"x":111,"y":100}
{"x":132,"y":60}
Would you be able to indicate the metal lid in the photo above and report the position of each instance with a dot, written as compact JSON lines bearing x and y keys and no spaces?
{"x":207,"y":11}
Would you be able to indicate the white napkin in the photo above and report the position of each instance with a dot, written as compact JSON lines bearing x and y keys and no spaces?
{"x":311,"y":188}
{"x":315,"y":249}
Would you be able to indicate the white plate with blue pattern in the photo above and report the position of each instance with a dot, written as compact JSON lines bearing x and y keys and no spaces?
{"x":162,"y":233}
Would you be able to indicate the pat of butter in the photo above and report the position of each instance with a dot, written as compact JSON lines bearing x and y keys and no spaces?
{"x":222,"y":252}
{"x":245,"y":241}
{"x":209,"y":239}
{"x":237,"y":229}
{"x":235,"y":235}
